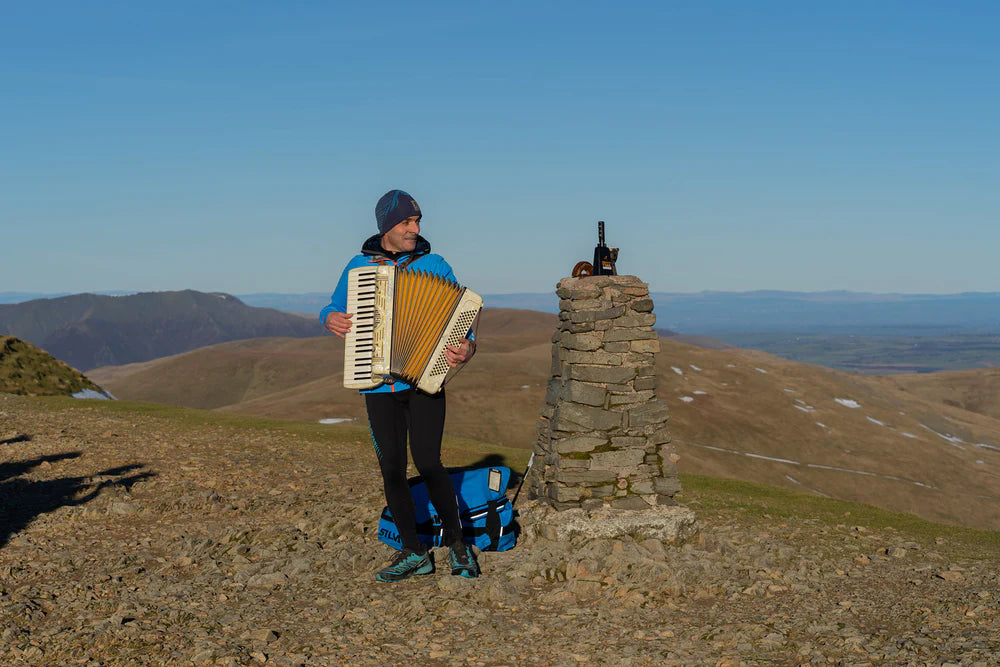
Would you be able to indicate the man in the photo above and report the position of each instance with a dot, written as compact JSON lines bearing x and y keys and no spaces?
{"x":395,"y":408}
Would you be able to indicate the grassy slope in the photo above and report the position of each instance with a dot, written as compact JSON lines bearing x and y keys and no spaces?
{"x":767,"y":505}
{"x":864,"y":453}
{"x":972,"y":390}
{"x":25,"y":369}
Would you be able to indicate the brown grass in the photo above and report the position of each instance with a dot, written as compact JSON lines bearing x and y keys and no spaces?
{"x":972,"y":390}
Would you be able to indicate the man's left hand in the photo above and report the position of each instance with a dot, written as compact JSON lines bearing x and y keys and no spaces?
{"x":454,"y":356}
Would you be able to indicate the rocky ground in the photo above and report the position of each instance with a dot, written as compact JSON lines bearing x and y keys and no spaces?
{"x":130,"y":539}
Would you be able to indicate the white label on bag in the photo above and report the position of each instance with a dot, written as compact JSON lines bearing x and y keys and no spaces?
{"x":494,"y":480}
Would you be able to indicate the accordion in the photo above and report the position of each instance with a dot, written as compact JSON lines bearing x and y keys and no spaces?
{"x":403,"y":321}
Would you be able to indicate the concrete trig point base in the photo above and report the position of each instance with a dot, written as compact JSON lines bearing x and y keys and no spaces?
{"x":669,"y":524}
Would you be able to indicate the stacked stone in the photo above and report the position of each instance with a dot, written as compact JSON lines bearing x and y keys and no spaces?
{"x":602,"y":434}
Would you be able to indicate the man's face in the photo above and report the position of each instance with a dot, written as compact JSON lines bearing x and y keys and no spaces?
{"x":402,"y":237}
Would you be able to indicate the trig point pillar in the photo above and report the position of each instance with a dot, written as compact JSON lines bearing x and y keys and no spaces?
{"x":602,"y":437}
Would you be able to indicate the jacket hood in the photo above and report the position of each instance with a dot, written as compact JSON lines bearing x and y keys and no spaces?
{"x":373,"y":248}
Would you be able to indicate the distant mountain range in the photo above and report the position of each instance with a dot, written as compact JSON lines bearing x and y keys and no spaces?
{"x":20,"y":297}
{"x":719,"y":313}
{"x":91,"y":330}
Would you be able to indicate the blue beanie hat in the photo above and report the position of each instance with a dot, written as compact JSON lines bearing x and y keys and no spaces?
{"x":394,"y":207}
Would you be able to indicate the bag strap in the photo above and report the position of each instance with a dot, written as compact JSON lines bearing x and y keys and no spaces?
{"x":431,"y":528}
{"x":493,"y":523}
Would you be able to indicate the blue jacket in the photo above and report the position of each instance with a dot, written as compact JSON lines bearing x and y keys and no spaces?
{"x":373,"y":253}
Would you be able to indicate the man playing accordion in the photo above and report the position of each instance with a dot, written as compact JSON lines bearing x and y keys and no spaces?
{"x":397,"y":410}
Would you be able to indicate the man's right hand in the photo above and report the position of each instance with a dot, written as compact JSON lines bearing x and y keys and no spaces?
{"x":339,"y":323}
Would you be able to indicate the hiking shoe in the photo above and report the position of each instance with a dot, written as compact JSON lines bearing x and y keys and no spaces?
{"x":463,"y":561}
{"x":406,"y":564}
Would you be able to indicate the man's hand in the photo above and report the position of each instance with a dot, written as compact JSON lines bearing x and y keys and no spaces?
{"x":454,"y":356}
{"x":339,"y":323}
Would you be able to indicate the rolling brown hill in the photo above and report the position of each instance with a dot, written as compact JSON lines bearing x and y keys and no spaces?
{"x":91,"y":330}
{"x":973,"y":390}
{"x":750,"y":415}
{"x":734,"y":413}
{"x":302,"y":378}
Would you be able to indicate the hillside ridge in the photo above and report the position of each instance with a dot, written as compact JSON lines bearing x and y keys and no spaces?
{"x":89,"y":330}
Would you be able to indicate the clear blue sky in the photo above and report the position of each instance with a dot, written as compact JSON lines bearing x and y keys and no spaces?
{"x":241,"y":146}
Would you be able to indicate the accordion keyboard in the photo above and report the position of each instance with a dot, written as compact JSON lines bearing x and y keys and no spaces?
{"x":359,"y":344}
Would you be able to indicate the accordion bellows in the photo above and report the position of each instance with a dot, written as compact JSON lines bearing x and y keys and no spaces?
{"x":403,"y":320}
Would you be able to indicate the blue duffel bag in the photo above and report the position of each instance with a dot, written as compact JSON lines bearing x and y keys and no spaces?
{"x":486,"y":513}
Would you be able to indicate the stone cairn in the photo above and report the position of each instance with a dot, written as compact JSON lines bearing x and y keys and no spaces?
{"x":602,"y":436}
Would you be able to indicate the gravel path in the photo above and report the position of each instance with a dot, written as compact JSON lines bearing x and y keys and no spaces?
{"x":131,"y":540}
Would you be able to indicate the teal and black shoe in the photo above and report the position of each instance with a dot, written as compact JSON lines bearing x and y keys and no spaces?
{"x":406,"y":564}
{"x":463,"y":561}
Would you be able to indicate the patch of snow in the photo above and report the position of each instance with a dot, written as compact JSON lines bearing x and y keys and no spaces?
{"x":838,"y":469}
{"x":983,"y":445}
{"x":701,"y":393}
{"x":805,"y":408}
{"x":336,"y":420}
{"x":821,"y":424}
{"x":90,"y":393}
{"x":686,"y":399}
{"x":771,"y":458}
{"x":848,"y":402}
{"x":730,"y":365}
{"x":908,"y":435}
{"x":812,"y":465}
{"x":953,"y":439}
{"x":792,"y":480}
{"x":760,"y":370}
{"x":677,"y":370}
{"x":980,"y":462}
{"x":694,"y":367}
{"x":791,"y":391}
{"x":719,"y":449}
{"x":875,"y":421}
{"x":525,"y":386}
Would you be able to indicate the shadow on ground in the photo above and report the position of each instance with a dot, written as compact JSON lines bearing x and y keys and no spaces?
{"x":17,"y":438}
{"x":24,"y":500}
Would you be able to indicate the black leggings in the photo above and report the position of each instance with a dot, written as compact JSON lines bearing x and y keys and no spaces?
{"x":390,"y":416}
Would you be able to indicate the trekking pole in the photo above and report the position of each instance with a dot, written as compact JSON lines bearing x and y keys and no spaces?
{"x":530,"y":461}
